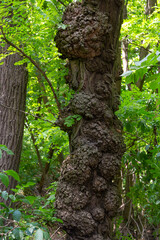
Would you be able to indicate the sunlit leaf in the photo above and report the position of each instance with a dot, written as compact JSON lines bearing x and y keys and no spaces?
{"x":4,"y":178}
{"x":38,"y":235}
{"x":13,"y":174}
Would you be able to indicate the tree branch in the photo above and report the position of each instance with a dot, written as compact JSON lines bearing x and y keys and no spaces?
{"x":137,"y":45}
{"x":18,"y":110}
{"x":44,"y":95}
{"x":36,"y":65}
{"x":35,"y":146}
{"x":136,"y":137}
{"x":62,"y":3}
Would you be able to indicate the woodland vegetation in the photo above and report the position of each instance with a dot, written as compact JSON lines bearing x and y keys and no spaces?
{"x":69,"y":81}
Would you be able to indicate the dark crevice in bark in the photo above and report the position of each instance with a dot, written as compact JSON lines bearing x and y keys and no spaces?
{"x":87,"y":197}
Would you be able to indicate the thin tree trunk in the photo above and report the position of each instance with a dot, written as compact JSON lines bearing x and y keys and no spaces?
{"x":46,"y":168}
{"x":143,"y":54}
{"x":125,"y":46}
{"x":125,"y":55}
{"x":13,"y":84}
{"x":128,"y":202}
{"x":150,"y":7}
{"x":87,"y":196}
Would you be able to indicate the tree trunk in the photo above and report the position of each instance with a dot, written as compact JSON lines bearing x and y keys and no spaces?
{"x":150,"y":6}
{"x":87,"y":197}
{"x":125,"y":43}
{"x":13,"y":83}
{"x":125,"y":46}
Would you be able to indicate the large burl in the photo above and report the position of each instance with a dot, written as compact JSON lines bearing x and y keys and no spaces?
{"x":84,"y":36}
{"x":87,"y":197}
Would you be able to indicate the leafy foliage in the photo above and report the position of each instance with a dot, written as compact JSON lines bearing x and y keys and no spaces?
{"x":139,"y":113}
{"x":23,"y":223}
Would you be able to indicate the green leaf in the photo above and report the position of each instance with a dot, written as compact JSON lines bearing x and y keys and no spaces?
{"x":13,"y":174}
{"x":4,"y":205}
{"x":38,"y":235}
{"x":57,"y":220}
{"x":21,"y":62}
{"x":77,"y":117}
{"x":31,"y":199}
{"x":0,"y":154}
{"x":17,"y":215}
{"x":28,"y":184}
{"x":62,"y":26}
{"x":157,"y":202}
{"x":147,"y":147}
{"x":69,"y":121}
{"x":158,"y":154}
{"x":12,"y":197}
{"x":18,"y":234}
{"x":129,"y":78}
{"x":4,"y":179}
{"x":1,"y":223}
{"x":28,"y":232}
{"x":3,"y":147}
{"x":4,"y":195}
{"x":46,"y":235}
{"x":25,"y":201}
{"x":125,"y":74}
{"x":155,"y":84}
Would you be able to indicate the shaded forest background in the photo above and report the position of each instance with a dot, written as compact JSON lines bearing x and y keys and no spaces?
{"x":29,"y":28}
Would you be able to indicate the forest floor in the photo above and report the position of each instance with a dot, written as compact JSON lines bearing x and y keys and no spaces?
{"x":57,"y":233}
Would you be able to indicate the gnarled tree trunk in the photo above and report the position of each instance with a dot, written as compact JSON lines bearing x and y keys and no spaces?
{"x":87,"y":196}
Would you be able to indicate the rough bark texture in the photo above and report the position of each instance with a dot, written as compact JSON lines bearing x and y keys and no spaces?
{"x":13,"y":83}
{"x":87,"y":196}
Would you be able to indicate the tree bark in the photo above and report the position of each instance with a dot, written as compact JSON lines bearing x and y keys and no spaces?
{"x":150,"y":6}
{"x":13,"y":85}
{"x":87,"y":197}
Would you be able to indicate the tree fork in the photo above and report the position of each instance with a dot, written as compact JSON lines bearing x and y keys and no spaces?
{"x":87,"y":197}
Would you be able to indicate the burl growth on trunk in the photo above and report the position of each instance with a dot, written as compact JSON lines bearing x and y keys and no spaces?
{"x":87,"y":196}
